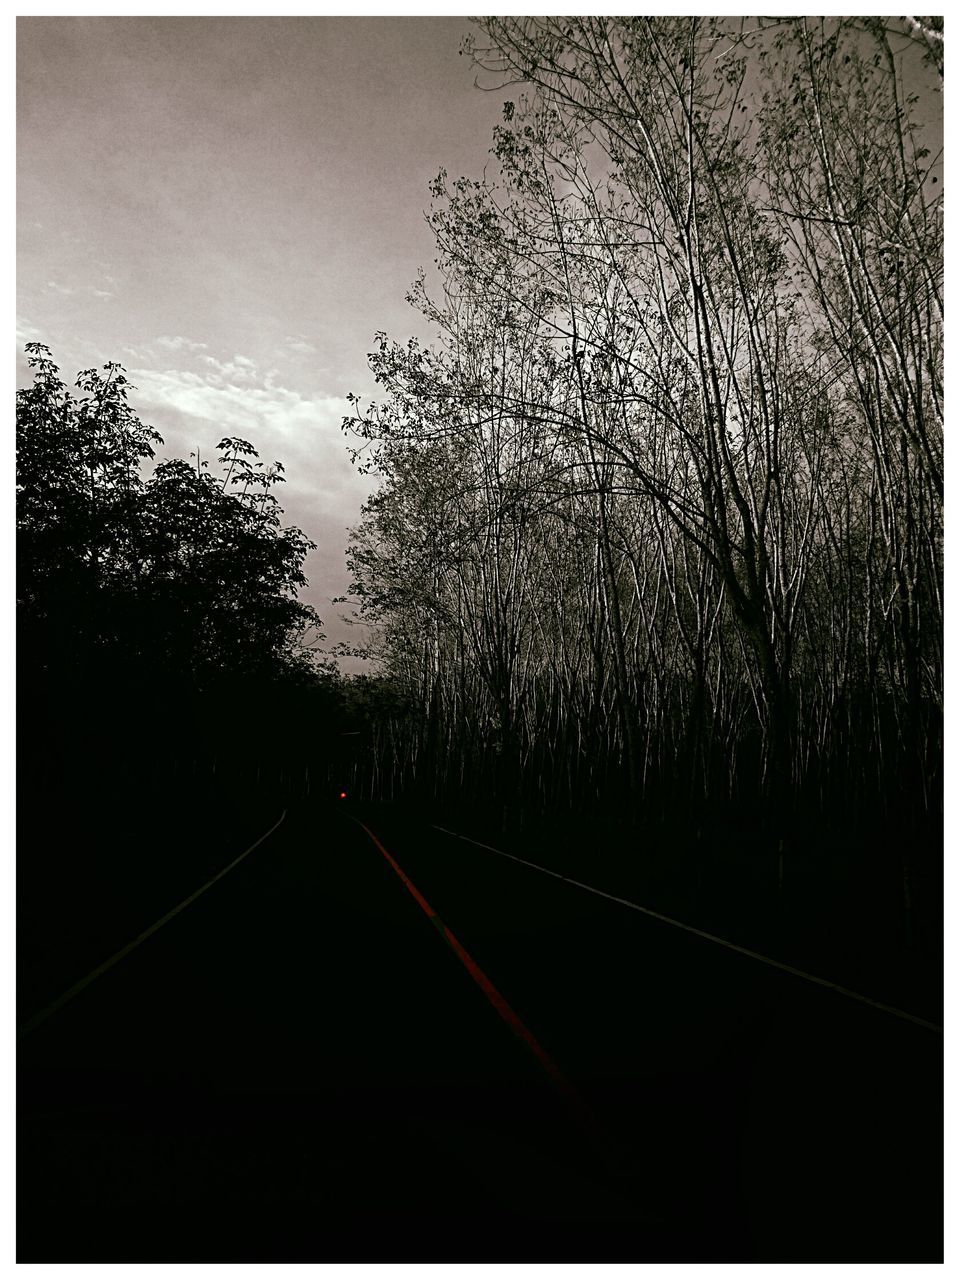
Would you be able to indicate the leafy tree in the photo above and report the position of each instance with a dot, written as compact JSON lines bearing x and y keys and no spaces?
{"x":180,"y":574}
{"x":661,"y":504}
{"x":170,"y":692}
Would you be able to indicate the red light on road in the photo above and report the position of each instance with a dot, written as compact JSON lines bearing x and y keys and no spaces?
{"x":343,"y":795}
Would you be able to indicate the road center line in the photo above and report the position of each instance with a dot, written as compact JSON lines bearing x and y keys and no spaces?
{"x":700,"y":933}
{"x":56,"y":1005}
{"x":492,"y":994}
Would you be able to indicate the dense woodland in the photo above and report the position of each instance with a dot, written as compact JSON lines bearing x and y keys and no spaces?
{"x":657,"y":540}
{"x":659,"y":531}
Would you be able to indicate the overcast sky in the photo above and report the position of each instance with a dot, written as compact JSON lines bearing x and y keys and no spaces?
{"x":231,"y":208}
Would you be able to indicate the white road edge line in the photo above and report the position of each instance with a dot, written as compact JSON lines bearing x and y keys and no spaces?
{"x":41,"y":1017}
{"x":700,"y":933}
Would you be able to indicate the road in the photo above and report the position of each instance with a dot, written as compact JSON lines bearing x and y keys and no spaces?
{"x":299,"y":1067}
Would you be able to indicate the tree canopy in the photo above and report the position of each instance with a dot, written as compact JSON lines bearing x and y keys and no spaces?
{"x":661,"y":505}
{"x":179,"y":574}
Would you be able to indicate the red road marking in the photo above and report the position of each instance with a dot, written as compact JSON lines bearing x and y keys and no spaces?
{"x":492,"y":994}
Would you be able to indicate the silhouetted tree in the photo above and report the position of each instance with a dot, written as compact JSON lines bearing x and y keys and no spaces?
{"x":180,"y":573}
{"x":160,"y":633}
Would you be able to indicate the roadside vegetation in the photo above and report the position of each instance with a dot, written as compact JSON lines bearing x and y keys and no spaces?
{"x":658,"y":540}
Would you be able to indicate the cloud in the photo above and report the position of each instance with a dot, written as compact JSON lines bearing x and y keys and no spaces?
{"x":299,"y":347}
{"x":228,"y":393}
{"x":109,"y":285}
{"x":58,"y":288}
{"x":224,"y":373}
{"x":180,"y":344}
{"x":27,"y":332}
{"x":237,"y":398}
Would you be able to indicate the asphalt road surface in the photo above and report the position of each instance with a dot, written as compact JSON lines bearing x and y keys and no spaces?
{"x":301,"y":1066}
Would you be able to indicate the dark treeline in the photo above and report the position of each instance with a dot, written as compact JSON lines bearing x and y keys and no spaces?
{"x":150,"y":610}
{"x":659,"y":533}
{"x":172,"y":690}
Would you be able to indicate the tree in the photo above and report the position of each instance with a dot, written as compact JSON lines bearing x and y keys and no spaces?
{"x":180,"y":574}
{"x":652,"y":500}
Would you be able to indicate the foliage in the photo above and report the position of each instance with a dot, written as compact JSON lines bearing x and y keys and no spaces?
{"x":179,"y":575}
{"x":661,"y":507}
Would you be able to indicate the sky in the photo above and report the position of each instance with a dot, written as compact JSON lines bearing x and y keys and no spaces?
{"x":232,"y":208}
